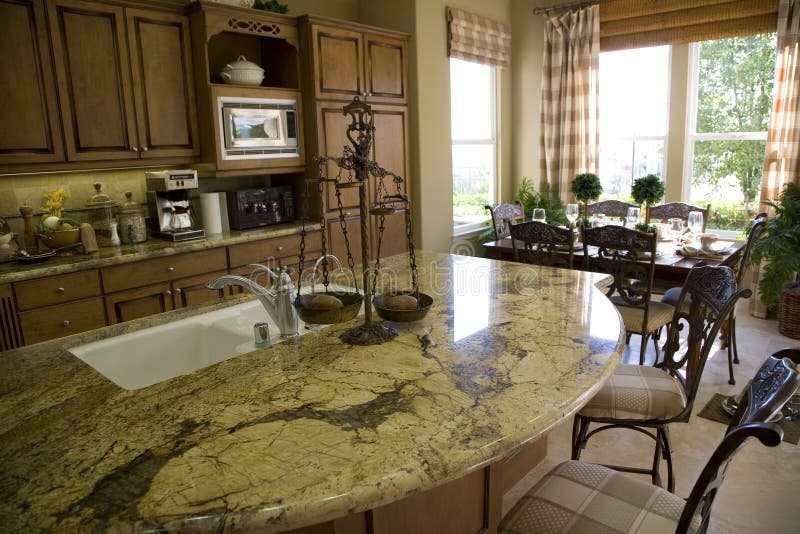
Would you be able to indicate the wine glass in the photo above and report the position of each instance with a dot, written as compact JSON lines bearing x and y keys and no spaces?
{"x":572,"y":213}
{"x":695,"y":223}
{"x":675,"y":228}
{"x":539,"y":215}
{"x":633,"y":217}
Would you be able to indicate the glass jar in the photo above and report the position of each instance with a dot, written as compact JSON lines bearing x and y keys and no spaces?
{"x":102,"y":209}
{"x":132,"y":223}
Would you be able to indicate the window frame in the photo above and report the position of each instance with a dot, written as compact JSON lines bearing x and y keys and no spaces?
{"x":665,"y":138}
{"x":691,"y":135}
{"x":494,"y":184}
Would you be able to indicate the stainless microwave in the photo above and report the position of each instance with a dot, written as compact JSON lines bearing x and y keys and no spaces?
{"x":257,"y":128}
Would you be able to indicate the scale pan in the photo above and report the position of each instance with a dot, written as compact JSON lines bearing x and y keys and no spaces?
{"x":424,"y":303}
{"x":351,"y":305}
{"x":384,"y":211}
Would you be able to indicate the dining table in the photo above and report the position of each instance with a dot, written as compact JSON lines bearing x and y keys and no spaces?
{"x":672,"y":263}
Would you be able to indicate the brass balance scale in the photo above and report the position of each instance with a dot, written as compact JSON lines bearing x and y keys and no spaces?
{"x":336,"y":306}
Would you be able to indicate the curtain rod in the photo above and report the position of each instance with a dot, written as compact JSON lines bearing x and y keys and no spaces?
{"x":582,"y":3}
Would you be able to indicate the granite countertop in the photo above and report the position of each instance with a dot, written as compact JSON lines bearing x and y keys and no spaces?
{"x":307,"y":431}
{"x":11,"y":271}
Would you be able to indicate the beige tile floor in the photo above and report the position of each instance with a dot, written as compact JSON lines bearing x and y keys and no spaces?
{"x":762,"y":488}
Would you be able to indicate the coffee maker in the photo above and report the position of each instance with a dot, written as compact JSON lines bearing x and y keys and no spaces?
{"x":171,"y":215}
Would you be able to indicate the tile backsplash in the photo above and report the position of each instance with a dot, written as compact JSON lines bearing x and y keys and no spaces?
{"x":21,"y":189}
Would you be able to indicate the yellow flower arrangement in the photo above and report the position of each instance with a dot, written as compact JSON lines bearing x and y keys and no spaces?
{"x":53,"y":203}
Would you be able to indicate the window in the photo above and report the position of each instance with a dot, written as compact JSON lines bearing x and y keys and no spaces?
{"x":473,"y":126}
{"x":634,"y":103}
{"x":728,"y":117}
{"x":727,"y":106}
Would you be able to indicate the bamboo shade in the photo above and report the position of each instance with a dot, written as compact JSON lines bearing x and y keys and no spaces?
{"x":478,"y":39}
{"x":640,"y":23}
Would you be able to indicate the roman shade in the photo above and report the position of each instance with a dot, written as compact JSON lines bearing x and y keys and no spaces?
{"x":637,"y":23}
{"x":478,"y":39}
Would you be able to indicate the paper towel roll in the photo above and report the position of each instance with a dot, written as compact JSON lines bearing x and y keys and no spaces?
{"x":209,"y":207}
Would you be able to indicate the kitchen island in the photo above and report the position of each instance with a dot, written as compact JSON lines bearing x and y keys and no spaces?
{"x":309,"y":431}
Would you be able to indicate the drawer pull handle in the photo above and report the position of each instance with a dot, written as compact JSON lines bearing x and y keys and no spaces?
{"x":66,"y":322}
{"x":60,"y":290}
{"x":279,"y":248}
{"x":170,"y":269}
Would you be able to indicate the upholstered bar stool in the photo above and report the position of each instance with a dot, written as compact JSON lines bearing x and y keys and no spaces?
{"x":579,"y":497}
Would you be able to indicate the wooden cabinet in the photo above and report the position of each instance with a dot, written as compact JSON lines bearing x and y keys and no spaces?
{"x":61,"y":305}
{"x":31,"y":129}
{"x":148,"y":287}
{"x":126,"y":89}
{"x":349,"y":61}
{"x":10,"y":331}
{"x":342,"y":61}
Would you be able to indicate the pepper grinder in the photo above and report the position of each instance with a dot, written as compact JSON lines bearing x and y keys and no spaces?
{"x":31,"y":245}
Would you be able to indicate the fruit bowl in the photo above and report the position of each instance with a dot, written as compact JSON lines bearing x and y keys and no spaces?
{"x":60,"y":238}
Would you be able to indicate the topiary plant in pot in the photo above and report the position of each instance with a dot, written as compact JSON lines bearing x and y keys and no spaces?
{"x":586,"y":187}
{"x":647,"y":190}
{"x":779,"y":245}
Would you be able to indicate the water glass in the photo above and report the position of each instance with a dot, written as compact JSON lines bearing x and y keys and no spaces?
{"x":695,"y":222}
{"x":572,"y":213}
{"x":675,"y":228}
{"x":539,"y":215}
{"x":633,"y":217}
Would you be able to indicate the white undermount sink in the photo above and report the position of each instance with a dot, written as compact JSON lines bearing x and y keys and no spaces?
{"x":152,"y":355}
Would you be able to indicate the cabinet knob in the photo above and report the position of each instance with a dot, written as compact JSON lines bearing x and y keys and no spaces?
{"x":178,"y":290}
{"x":135,"y":148}
{"x":347,"y":214}
{"x":168,"y":292}
{"x":279,"y":248}
{"x":66,"y":322}
{"x":170,"y":269}
{"x":145,"y":148}
{"x":59,"y":290}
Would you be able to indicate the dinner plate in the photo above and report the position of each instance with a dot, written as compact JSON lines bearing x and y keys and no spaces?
{"x":34,"y":258}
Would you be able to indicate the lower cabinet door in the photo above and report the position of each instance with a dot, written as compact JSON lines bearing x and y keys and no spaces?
{"x":192,"y":290}
{"x":139,"y":302}
{"x":62,"y":320}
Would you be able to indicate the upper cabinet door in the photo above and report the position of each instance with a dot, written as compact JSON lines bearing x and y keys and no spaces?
{"x":385,"y":66}
{"x":163,"y":87}
{"x":31,"y":129}
{"x":338,"y":59}
{"x":93,"y":73}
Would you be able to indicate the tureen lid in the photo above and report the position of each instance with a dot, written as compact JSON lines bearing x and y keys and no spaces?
{"x":241,"y":63}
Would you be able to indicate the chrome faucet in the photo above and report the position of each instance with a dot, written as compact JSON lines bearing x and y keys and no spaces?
{"x":278,"y":304}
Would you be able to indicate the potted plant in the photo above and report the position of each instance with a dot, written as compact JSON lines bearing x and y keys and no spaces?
{"x":586,"y":187}
{"x":779,"y":245}
{"x":647,"y":190}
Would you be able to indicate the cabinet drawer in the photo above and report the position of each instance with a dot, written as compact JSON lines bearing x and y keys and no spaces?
{"x":62,"y":320}
{"x":57,"y":289}
{"x":146,"y":272}
{"x":280,"y":247}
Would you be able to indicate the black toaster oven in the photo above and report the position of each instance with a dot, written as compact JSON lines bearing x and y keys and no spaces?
{"x":249,"y":208}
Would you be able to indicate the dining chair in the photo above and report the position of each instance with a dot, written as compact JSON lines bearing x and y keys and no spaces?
{"x":629,"y":257}
{"x":647,"y":399}
{"x":540,"y":243}
{"x":611,"y":208}
{"x":578,"y":497}
{"x":503,"y":212}
{"x":729,"y":330}
{"x":677,"y":210}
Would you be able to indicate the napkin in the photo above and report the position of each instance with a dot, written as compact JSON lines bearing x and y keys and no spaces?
{"x":694,"y":252}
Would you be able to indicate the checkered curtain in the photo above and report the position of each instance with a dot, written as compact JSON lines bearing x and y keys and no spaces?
{"x":782,"y":157}
{"x":570,"y":140}
{"x":478,"y":39}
